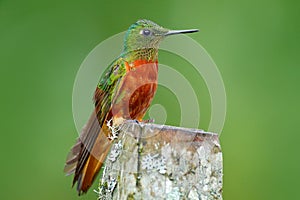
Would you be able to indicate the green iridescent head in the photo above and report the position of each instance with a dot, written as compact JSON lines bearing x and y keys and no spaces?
{"x":146,"y":34}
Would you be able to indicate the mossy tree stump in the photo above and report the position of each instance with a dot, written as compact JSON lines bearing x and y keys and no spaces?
{"x":150,"y":161}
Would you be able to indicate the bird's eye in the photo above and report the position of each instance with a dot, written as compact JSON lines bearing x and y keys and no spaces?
{"x":146,"y":32}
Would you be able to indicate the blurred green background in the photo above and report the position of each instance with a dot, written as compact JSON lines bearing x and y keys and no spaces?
{"x":254,"y":43}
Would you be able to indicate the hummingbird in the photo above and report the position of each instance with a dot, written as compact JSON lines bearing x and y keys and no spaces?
{"x":124,"y":92}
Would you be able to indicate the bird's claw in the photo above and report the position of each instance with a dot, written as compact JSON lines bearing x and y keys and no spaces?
{"x":133,"y":121}
{"x":148,"y":121}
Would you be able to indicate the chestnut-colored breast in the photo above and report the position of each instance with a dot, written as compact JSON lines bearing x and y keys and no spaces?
{"x":136,"y":91}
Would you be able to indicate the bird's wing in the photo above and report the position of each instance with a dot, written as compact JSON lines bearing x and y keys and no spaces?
{"x":88,"y":154}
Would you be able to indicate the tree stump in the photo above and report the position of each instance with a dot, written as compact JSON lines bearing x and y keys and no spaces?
{"x":150,"y":161}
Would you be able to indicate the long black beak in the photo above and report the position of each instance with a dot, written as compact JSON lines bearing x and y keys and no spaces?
{"x":173,"y":32}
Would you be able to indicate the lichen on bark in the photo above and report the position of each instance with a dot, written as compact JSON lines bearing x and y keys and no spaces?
{"x":150,"y":161}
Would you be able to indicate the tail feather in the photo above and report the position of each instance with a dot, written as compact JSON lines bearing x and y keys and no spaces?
{"x":88,"y":174}
{"x":88,"y":154}
{"x":94,"y":163}
{"x":72,"y":158}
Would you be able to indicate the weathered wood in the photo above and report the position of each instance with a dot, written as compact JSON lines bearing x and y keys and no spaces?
{"x":150,"y":161}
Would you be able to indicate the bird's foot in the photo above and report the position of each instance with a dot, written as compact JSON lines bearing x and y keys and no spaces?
{"x":133,"y":121}
{"x":141,"y":121}
{"x":148,"y":121}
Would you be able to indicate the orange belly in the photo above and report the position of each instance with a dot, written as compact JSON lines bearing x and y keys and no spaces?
{"x":136,"y":92}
